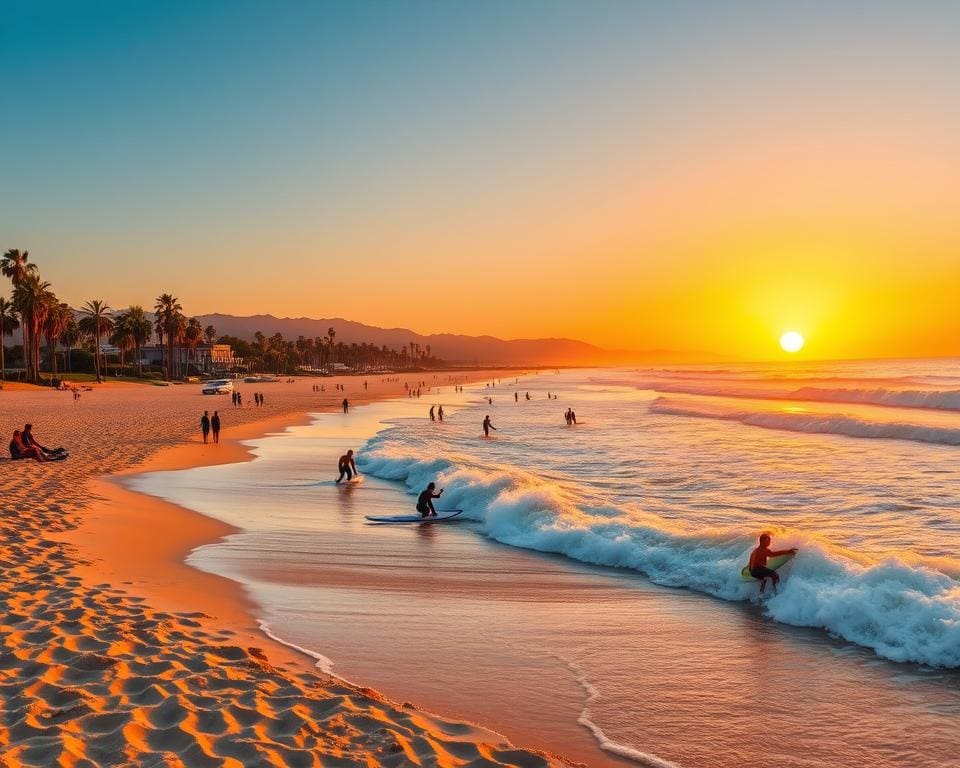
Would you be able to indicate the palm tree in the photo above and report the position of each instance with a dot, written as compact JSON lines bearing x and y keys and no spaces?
{"x":70,"y":337}
{"x":58,"y":317}
{"x":331,"y":335}
{"x":8,"y":324}
{"x":15,"y":264}
{"x":31,"y":299}
{"x":210,"y":334}
{"x":140,"y":329}
{"x":96,"y":322}
{"x":192,"y":336}
{"x":169,"y":318}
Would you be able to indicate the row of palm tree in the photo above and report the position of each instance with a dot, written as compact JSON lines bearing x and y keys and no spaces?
{"x":41,"y":317}
{"x":35,"y":309}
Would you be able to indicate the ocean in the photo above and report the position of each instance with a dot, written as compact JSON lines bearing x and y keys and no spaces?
{"x":591,"y":601}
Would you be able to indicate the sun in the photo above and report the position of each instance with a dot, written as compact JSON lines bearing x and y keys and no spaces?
{"x":791,"y":341}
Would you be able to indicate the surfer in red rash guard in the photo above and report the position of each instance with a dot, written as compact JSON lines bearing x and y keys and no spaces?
{"x":758,"y":562}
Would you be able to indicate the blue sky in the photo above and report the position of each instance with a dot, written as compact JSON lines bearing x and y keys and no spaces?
{"x":242,"y":149}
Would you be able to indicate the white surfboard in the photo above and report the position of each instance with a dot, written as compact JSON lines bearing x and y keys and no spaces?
{"x":442,"y":516}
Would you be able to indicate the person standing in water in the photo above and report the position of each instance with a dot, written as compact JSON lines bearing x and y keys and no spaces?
{"x":425,"y":501}
{"x":205,"y":425}
{"x":432,"y":416}
{"x":215,"y":426}
{"x":346,"y":405}
{"x":347,"y":467}
{"x":440,"y":413}
{"x":487,"y":426}
{"x":758,"y":562}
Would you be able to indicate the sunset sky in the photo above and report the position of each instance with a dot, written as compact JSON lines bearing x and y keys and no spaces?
{"x":696,"y":176}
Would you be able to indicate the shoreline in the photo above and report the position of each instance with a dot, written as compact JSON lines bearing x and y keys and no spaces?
{"x":148,"y":615}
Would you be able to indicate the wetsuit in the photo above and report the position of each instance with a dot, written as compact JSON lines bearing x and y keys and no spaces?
{"x":347,"y":468}
{"x":425,"y":502}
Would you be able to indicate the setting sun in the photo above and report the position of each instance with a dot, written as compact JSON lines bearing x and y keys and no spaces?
{"x":791,"y":341}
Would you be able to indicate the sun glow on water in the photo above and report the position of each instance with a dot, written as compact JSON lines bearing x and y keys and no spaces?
{"x":791,"y":341}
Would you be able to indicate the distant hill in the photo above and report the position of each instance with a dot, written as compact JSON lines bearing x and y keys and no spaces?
{"x":454,"y":348}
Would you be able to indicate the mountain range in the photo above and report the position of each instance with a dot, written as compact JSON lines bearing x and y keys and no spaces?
{"x":454,"y":348}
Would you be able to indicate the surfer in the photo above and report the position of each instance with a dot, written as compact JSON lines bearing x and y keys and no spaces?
{"x":425,"y":501}
{"x":347,"y":467}
{"x":758,"y":562}
{"x":487,"y":426}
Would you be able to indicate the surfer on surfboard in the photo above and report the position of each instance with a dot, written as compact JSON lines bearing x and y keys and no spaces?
{"x":425,"y":501}
{"x":347,"y":467}
{"x":758,"y":562}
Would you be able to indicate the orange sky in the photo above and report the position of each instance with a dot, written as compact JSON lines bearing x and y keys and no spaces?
{"x":641,"y":178}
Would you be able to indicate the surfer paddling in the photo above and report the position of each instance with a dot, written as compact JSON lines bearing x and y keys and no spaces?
{"x":758,"y":562}
{"x":425,"y":501}
{"x":347,"y":467}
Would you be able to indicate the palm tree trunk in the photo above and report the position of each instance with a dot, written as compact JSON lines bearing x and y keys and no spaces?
{"x":96,"y":352}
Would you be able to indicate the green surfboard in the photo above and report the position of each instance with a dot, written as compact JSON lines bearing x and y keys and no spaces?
{"x":774,"y":564}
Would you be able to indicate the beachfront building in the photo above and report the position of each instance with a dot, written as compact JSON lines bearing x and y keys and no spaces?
{"x":202,"y":359}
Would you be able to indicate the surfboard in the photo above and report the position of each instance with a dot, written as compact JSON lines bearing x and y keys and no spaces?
{"x":356,"y":479}
{"x":442,"y":515}
{"x":773,"y":563}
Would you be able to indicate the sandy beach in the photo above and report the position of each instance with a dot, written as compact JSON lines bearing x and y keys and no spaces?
{"x":116,"y":653}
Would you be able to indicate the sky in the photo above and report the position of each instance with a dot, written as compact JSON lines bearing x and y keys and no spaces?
{"x":692,"y":176}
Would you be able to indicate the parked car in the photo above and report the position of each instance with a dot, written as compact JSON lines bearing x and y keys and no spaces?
{"x":217,"y":387}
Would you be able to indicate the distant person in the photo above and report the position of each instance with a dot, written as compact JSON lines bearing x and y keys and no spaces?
{"x":261,"y":399}
{"x":31,"y":442}
{"x":566,"y":417}
{"x":440,"y":413}
{"x":346,"y":405}
{"x":239,"y":400}
{"x":364,"y":386}
{"x":20,"y":451}
{"x":215,"y":426}
{"x":205,"y":425}
{"x":347,"y":467}
{"x":489,"y":401}
{"x":528,"y":395}
{"x":516,"y":397}
{"x":573,"y":416}
{"x":487,"y":426}
{"x":758,"y":562}
{"x":432,"y":414}
{"x":425,"y":501}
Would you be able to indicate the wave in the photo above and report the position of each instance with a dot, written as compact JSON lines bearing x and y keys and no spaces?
{"x":943,"y":399}
{"x":905,"y":612}
{"x":813,"y":423}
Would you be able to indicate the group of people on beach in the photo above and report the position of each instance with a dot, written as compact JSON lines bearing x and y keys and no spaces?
{"x":24,"y":445}
{"x":210,"y":424}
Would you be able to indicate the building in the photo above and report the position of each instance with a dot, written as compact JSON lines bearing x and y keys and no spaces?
{"x":203,"y":358}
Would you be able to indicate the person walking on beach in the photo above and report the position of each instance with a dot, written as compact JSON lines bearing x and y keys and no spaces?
{"x":215,"y":426}
{"x":440,"y":414}
{"x":487,"y":426}
{"x":346,"y":405}
{"x":205,"y":425}
{"x":758,"y":562}
{"x":347,"y":467}
{"x":425,"y":501}
{"x":516,"y":397}
{"x":432,"y":416}
{"x":239,"y":400}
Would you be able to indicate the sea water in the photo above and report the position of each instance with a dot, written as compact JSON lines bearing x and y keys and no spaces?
{"x":598,"y":572}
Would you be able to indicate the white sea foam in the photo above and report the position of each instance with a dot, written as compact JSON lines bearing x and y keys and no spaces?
{"x":785,"y":389}
{"x":904,"y":612}
{"x":816,"y":423}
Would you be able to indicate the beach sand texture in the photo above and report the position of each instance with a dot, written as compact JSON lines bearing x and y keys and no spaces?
{"x":94,"y":674}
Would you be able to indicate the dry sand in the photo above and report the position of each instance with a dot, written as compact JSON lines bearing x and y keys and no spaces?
{"x":113,"y":652}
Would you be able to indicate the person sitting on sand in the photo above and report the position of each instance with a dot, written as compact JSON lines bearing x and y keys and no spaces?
{"x":31,"y":442}
{"x":758,"y":562}
{"x":425,"y":501}
{"x":20,"y":451}
{"x":347,"y":467}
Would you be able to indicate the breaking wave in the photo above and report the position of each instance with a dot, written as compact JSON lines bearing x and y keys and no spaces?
{"x":906,"y":612}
